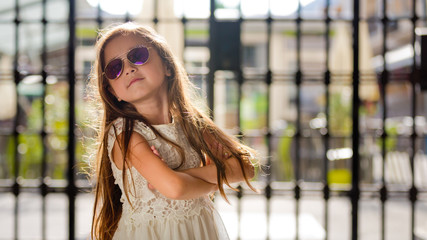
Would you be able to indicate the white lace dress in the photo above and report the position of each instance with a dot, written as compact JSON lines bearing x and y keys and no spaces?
{"x":154,"y":216}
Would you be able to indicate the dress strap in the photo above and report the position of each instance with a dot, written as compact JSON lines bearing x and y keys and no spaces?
{"x":117,"y":129}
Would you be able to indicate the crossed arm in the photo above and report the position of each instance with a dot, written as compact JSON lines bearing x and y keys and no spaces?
{"x":185,"y":184}
{"x":170,"y":183}
{"x":233,"y":171}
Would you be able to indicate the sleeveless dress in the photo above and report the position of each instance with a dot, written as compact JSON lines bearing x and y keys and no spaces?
{"x":150,"y":215}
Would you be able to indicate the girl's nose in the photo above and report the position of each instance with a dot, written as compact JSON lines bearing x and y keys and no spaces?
{"x":129,"y":68}
{"x":131,"y":71}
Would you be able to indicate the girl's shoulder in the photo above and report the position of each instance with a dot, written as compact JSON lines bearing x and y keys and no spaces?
{"x":138,"y":127}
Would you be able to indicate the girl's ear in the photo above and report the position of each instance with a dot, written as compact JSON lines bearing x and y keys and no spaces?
{"x":167,"y":70}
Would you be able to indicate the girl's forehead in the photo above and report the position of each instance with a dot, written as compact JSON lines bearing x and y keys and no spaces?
{"x":120,"y":44}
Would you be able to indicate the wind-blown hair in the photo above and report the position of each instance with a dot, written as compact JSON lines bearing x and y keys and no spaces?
{"x":195,"y":124}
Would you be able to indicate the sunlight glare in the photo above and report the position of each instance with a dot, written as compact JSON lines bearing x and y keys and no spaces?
{"x":192,"y":8}
{"x":288,"y":7}
{"x":114,"y":7}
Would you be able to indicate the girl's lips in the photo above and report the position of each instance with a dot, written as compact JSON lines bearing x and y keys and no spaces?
{"x":134,"y":80}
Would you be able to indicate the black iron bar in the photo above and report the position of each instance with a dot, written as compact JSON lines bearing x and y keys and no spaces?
{"x":355,"y":191}
{"x":326,"y":138}
{"x":99,"y":19}
{"x":184,"y":23}
{"x":156,"y":15}
{"x":211,"y":74}
{"x":268,"y":136}
{"x":15,"y":142}
{"x":384,"y":82}
{"x":71,"y":187}
{"x":240,"y":81}
{"x":297,"y":137}
{"x":43,"y":186}
{"x":413,"y":191}
{"x":127,"y":17}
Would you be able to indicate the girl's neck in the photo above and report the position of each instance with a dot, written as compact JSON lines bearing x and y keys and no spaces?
{"x":155,"y":111}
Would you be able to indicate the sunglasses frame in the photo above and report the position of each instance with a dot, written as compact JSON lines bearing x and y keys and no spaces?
{"x":122,"y":58}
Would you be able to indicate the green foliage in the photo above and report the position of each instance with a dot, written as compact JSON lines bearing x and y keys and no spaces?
{"x":57,"y":108}
{"x":10,"y":156}
{"x":30,"y":146}
{"x":31,"y":149}
{"x":284,"y":150}
{"x":391,"y":140}
{"x":340,"y":121}
{"x":253,"y":110}
{"x":340,"y":176}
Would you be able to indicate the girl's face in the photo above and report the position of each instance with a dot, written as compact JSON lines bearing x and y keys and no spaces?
{"x":137,"y":83}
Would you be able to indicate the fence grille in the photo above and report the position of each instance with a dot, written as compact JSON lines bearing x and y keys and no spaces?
{"x":307,"y":154}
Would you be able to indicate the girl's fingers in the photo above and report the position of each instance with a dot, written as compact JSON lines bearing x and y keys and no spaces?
{"x":151,"y":187}
{"x":155,"y":151}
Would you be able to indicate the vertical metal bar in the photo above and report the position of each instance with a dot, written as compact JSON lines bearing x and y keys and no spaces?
{"x":384,"y":81}
{"x":210,"y":82}
{"x":355,"y":191}
{"x":424,"y":12}
{"x":71,"y":187}
{"x":298,"y":81}
{"x":240,"y":81}
{"x":326,"y":136}
{"x":43,"y":186}
{"x":15,"y":142}
{"x":99,"y":19}
{"x":156,"y":14}
{"x":239,"y":211}
{"x":268,"y":81}
{"x":127,"y":16}
{"x":413,"y":192}
{"x":185,"y":30}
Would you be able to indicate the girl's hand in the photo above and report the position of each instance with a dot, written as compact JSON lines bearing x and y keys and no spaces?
{"x":208,"y":161}
{"x":155,"y":152}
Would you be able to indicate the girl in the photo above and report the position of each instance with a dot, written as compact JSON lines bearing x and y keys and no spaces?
{"x":152,"y":169}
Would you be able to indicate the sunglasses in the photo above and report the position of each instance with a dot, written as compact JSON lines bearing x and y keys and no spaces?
{"x":137,"y":56}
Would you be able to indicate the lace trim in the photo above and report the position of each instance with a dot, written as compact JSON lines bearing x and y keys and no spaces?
{"x":149,"y":212}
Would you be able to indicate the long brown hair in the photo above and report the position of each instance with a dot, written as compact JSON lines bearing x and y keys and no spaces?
{"x":195,"y":124}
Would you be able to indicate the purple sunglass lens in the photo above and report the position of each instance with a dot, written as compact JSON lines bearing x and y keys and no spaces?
{"x":114,"y":69}
{"x":138,"y":56}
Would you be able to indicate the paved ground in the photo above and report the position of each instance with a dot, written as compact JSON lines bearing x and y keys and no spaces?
{"x":253,"y":220}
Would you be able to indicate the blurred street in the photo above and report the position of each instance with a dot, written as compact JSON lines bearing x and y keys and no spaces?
{"x":253,"y":220}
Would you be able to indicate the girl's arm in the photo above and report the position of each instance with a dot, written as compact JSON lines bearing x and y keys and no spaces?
{"x":170,"y":183}
{"x":233,"y":170}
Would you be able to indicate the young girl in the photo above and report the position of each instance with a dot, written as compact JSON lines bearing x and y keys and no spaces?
{"x":159,"y":157}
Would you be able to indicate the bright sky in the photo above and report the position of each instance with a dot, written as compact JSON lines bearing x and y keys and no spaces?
{"x":200,"y":8}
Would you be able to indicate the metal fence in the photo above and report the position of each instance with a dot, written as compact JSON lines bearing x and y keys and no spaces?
{"x":228,"y":57}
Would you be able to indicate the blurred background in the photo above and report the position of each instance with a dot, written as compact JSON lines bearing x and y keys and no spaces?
{"x":331,"y":93}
